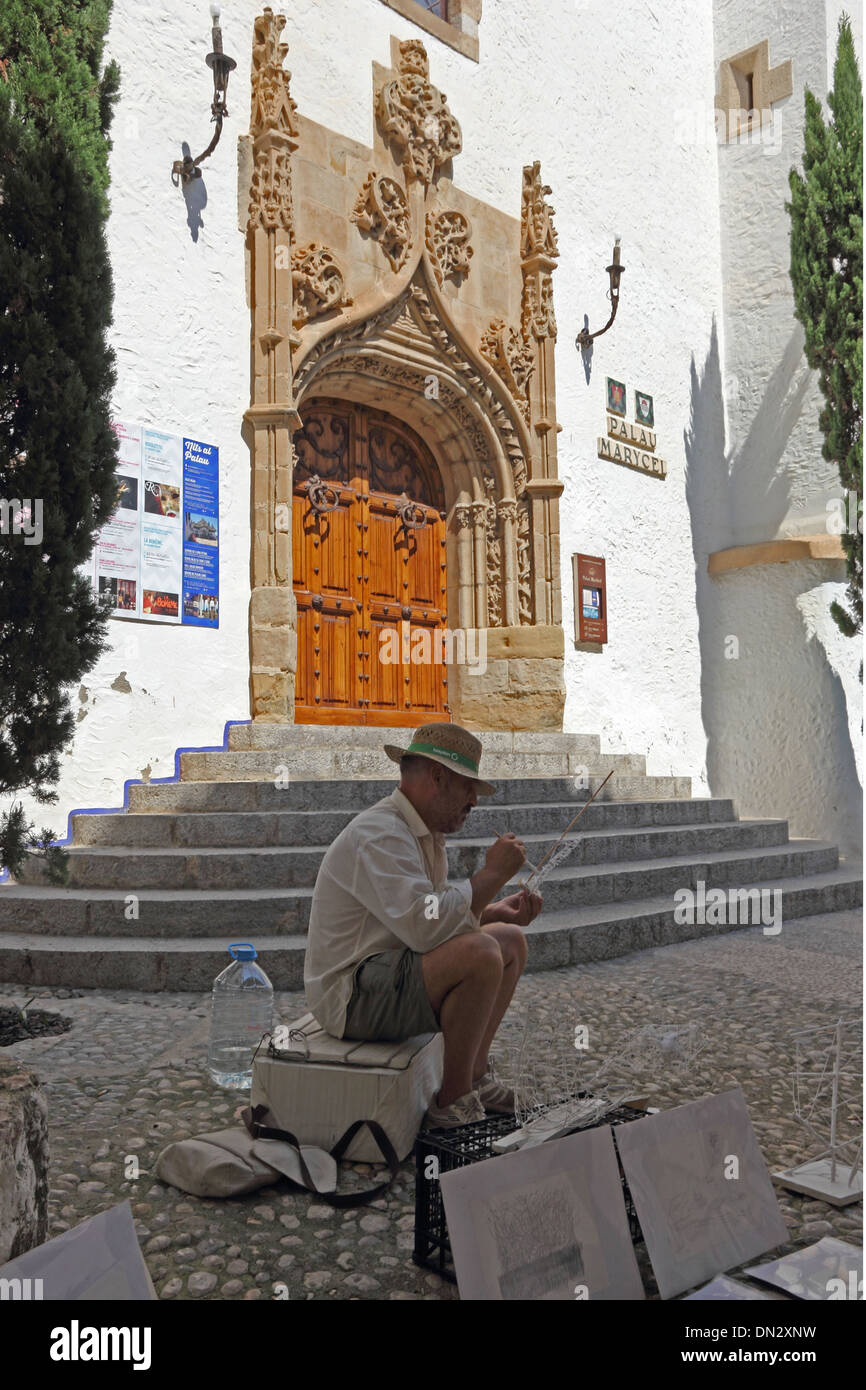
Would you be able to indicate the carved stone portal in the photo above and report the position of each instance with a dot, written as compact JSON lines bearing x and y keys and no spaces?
{"x":477,"y":386}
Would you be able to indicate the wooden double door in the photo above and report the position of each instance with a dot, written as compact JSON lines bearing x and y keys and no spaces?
{"x":368,"y":550}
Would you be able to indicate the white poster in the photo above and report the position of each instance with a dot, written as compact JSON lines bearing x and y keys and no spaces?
{"x":161,"y":533}
{"x":116,"y":558}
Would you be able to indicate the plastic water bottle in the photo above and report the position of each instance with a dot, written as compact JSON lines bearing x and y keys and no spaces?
{"x":242,"y":1010}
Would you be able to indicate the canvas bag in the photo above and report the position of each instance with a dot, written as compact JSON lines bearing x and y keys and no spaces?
{"x":232,"y":1162}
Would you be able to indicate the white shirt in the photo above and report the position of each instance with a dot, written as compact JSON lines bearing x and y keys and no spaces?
{"x":378,"y":888}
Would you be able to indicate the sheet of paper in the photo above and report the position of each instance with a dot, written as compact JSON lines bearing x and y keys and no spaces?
{"x":831,"y":1270}
{"x":547,"y":1223}
{"x":98,"y":1260}
{"x":701,"y":1189}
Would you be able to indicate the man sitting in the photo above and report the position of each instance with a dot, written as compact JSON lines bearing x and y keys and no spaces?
{"x":394,"y":949}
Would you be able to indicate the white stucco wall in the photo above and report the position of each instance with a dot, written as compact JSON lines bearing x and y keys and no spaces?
{"x":783,"y":719}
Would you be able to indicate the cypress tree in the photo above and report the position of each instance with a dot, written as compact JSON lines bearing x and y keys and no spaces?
{"x":57,"y":450}
{"x":826,"y":212}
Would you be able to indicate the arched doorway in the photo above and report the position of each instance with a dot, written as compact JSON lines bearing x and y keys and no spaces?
{"x":369,"y":570}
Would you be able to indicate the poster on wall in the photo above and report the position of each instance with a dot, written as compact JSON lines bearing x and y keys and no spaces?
{"x":200,"y":586}
{"x":118,"y":548}
{"x":158,"y":555}
{"x":160,"y":527}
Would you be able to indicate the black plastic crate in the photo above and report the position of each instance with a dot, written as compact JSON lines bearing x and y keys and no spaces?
{"x":454,"y":1148}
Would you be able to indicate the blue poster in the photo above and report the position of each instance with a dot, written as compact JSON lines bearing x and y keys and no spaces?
{"x":200,"y":533}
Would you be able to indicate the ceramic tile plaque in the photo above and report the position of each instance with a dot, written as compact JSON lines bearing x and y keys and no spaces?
{"x":643,"y":409}
{"x":616,"y":396}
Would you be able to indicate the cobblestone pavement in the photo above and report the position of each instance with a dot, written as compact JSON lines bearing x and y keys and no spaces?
{"x":130,"y":1076}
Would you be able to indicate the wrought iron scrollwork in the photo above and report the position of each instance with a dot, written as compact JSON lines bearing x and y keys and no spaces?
{"x":321,"y":496}
{"x":413,"y":517}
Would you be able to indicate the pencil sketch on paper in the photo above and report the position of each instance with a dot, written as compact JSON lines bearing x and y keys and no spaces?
{"x":538,"y":1252}
{"x":701,"y":1190}
{"x":542,"y":1224}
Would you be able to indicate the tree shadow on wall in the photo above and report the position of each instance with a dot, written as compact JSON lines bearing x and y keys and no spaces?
{"x":746,"y":701}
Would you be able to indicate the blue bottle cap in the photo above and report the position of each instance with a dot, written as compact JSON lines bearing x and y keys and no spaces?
{"x":242,"y":950}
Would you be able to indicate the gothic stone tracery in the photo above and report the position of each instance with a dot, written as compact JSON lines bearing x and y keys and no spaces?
{"x":382,"y":210}
{"x":414,"y":115}
{"x":269,"y":231}
{"x":318,"y":284}
{"x":448,"y":245}
{"x":510,"y":355}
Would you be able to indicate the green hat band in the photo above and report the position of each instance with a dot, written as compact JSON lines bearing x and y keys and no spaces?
{"x":444,"y":753}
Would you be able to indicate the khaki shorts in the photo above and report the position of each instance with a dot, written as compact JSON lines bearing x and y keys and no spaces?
{"x":389,"y":1000}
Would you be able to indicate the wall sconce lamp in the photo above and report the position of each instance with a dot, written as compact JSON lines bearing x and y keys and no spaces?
{"x":183,"y":170}
{"x":615,"y":270}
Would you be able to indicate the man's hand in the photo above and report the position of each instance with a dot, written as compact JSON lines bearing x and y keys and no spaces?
{"x":519,"y":908}
{"x":505,"y":857}
{"x":502,"y":860}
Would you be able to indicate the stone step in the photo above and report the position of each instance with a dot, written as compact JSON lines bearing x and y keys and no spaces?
{"x":223,"y":829}
{"x":581,"y":935}
{"x":573,"y":937}
{"x":294,"y":737}
{"x":148,"y":798}
{"x":327,"y":761}
{"x":259,"y":911}
{"x":293,"y":866}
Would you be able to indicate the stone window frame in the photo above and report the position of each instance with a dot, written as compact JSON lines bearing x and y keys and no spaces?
{"x":458,"y":31}
{"x":768,"y":85}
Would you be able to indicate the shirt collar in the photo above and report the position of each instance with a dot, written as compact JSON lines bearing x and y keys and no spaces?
{"x":404,"y":807}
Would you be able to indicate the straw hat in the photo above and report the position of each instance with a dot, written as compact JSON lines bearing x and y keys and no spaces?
{"x":449,"y":745}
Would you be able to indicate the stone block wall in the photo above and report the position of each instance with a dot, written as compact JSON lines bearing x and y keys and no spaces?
{"x":23,"y":1160}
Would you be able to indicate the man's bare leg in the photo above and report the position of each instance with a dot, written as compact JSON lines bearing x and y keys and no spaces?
{"x":463,"y":979}
{"x":514,"y":947}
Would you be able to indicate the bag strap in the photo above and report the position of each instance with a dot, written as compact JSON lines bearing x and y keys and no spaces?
{"x":254,"y":1121}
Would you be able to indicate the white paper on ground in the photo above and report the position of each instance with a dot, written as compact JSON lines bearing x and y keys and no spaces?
{"x":807,"y":1273}
{"x":725,"y":1289}
{"x":544,"y":1223}
{"x":98,"y":1260}
{"x":701,"y":1189}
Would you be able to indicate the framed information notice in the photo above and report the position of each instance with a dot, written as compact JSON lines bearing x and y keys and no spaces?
{"x":590,"y":599}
